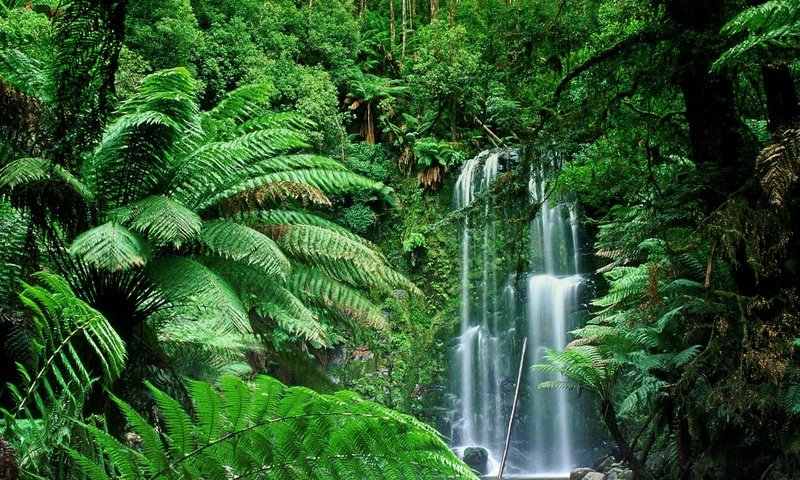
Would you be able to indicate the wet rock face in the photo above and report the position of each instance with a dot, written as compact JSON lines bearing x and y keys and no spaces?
{"x":579,"y":473}
{"x":8,"y":462}
{"x":477,"y":458}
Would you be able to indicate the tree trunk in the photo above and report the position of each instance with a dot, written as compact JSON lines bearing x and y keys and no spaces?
{"x":717,"y":134}
{"x":434,"y":8}
{"x":392,"y":32}
{"x":610,"y":420}
{"x":403,"y":32}
{"x":782,"y":105}
{"x":370,"y":133}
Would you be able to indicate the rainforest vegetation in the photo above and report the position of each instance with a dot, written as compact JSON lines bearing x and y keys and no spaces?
{"x":228,"y":247}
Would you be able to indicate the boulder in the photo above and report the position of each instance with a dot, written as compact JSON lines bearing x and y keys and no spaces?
{"x":619,"y":473}
{"x":605,"y":465}
{"x":477,"y":458}
{"x":579,"y":473}
{"x":594,"y":476}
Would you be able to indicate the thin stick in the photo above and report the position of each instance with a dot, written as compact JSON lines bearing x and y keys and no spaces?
{"x":513,"y":409}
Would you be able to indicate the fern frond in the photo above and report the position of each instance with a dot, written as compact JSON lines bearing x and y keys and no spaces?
{"x":318,"y":289}
{"x":111,"y":247}
{"x":238,"y":106}
{"x":778,"y":164}
{"x":341,"y":257}
{"x":25,"y":73}
{"x":161,"y":219}
{"x":641,"y":396}
{"x":328,"y":181}
{"x":194,"y":291}
{"x":770,"y":24}
{"x":627,"y":285}
{"x":23,"y":171}
{"x":61,"y":321}
{"x":289,"y":120}
{"x":241,"y":243}
{"x":268,"y":430}
{"x":216,"y":166}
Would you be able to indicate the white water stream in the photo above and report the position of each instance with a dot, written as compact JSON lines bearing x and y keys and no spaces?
{"x":494,"y":318}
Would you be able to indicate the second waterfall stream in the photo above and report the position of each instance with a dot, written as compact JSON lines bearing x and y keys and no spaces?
{"x":499,"y":307}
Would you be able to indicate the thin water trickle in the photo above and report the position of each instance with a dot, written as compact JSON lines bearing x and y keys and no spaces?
{"x":495,"y":316}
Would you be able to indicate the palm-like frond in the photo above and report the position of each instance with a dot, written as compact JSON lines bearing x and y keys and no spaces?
{"x":771,"y":24}
{"x":267,"y":430}
{"x":23,"y":171}
{"x":161,"y":220}
{"x":111,"y":247}
{"x":583,"y":365}
{"x":340,"y":256}
{"x":318,"y":289}
{"x":195,"y":290}
{"x":60,"y":321}
{"x":241,"y":243}
{"x":328,"y":181}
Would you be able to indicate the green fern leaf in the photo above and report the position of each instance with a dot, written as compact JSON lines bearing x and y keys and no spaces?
{"x":111,"y":247}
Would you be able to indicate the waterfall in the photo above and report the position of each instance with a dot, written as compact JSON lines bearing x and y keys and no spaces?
{"x":541,"y":304}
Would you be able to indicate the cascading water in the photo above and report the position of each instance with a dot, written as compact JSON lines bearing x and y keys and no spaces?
{"x":540,"y":305}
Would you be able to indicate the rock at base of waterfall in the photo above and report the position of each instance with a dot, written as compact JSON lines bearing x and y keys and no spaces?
{"x":579,"y":473}
{"x":594,"y":476}
{"x":619,"y":473}
{"x":477,"y":458}
{"x":605,"y":465}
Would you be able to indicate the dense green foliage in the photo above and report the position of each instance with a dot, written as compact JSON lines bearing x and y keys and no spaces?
{"x":251,"y":187}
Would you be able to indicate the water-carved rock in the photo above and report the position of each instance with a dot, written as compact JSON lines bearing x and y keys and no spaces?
{"x":477,"y":458}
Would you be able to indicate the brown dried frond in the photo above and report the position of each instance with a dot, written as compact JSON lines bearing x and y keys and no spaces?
{"x":274,"y":193}
{"x":20,"y":119}
{"x":580,"y":342}
{"x":778,"y":164}
{"x":274,"y":231}
{"x":431,"y":177}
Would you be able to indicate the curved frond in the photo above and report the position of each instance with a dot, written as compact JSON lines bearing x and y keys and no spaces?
{"x":61,"y":322}
{"x":320,"y":290}
{"x":23,"y":171}
{"x":341,"y":257}
{"x":329,"y":181}
{"x":161,"y":219}
{"x":241,"y":243}
{"x":111,"y":247}
{"x":267,"y":430}
{"x":195,"y":291}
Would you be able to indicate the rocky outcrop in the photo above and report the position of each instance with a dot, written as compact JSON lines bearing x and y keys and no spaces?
{"x":477,"y":458}
{"x":579,"y":473}
{"x":608,"y":471}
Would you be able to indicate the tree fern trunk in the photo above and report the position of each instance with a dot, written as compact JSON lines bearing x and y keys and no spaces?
{"x":610,"y":420}
{"x":782,"y":105}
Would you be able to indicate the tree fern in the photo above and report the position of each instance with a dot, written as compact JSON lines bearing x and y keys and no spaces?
{"x":267,"y":430}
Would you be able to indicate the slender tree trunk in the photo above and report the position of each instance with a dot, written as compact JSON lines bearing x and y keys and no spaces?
{"x":370,"y":134}
{"x":404,"y":14}
{"x":610,"y":420}
{"x":392,"y":32}
{"x":434,"y":9}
